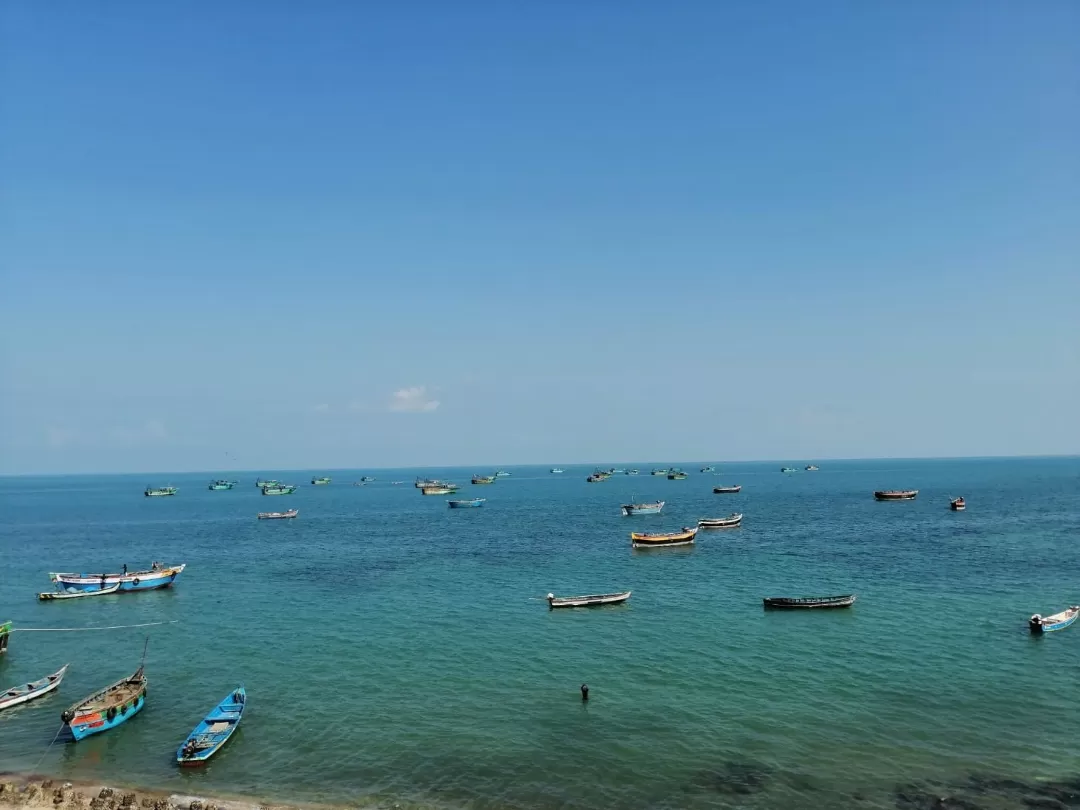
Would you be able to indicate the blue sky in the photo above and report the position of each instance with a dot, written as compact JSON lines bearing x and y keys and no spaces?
{"x":345,"y":234}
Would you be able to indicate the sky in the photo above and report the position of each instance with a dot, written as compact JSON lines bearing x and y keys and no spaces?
{"x":271,"y":235}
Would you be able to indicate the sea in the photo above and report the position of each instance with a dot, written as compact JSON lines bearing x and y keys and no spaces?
{"x":398,"y":653}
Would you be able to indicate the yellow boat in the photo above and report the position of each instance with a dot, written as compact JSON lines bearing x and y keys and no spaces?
{"x":683,"y":537}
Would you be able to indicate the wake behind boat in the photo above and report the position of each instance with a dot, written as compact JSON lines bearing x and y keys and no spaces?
{"x":1059,"y":621}
{"x":33,"y":690}
{"x":593,"y":600}
{"x":61,"y":594}
{"x":157,"y":577}
{"x":214,"y":730}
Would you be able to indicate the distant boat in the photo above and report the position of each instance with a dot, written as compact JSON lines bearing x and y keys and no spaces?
{"x":260,"y":483}
{"x":440,"y":490}
{"x":5,"y":635}
{"x":279,"y":489}
{"x":278,"y":515}
{"x":787,"y":469}
{"x":957,"y":504}
{"x":683,"y":537}
{"x":502,"y":474}
{"x":1059,"y":621}
{"x":708,"y":469}
{"x":483,"y":479}
{"x":809,"y":602}
{"x":676,"y":476}
{"x":727,"y":490}
{"x":595,"y":478}
{"x":811,"y":468}
{"x":159,"y":576}
{"x":59,"y":594}
{"x":159,"y":492}
{"x":467,"y":504}
{"x":33,"y":690}
{"x":395,"y":483}
{"x":320,"y":482}
{"x":730,"y":522}
{"x":631,"y":472}
{"x":896,"y":494}
{"x":659,"y":472}
{"x":586,"y":601}
{"x":359,"y":484}
{"x":616,"y":471}
{"x":556,"y":470}
{"x":642,"y":508}
{"x":367,"y":479}
{"x":214,"y":731}
{"x":220,"y":485}
{"x":420,"y":483}
{"x":107,"y":708}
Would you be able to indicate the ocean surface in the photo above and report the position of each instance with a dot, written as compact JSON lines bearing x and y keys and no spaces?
{"x":399,"y":652}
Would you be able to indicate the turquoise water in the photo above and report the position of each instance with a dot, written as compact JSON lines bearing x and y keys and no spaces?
{"x":398,"y":651}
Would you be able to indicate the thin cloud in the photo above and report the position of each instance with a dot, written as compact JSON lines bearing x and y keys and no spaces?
{"x":413,"y":400}
{"x":149,"y":432}
{"x":322,"y":407}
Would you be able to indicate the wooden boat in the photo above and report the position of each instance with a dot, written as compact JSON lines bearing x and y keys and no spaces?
{"x":278,"y":515}
{"x":108,"y":708}
{"x":684,"y":537}
{"x":320,"y":482}
{"x":470,"y":503}
{"x":809,"y":602}
{"x":260,"y":483}
{"x":440,"y":490}
{"x":642,"y":508}
{"x":159,"y":492}
{"x":5,"y":635}
{"x":727,"y":490}
{"x":708,"y":469}
{"x":586,"y":601}
{"x":483,"y":479}
{"x":1059,"y":621}
{"x":957,"y":505}
{"x":59,"y":594}
{"x":33,"y":690}
{"x":730,"y":522}
{"x":811,"y":468}
{"x":279,"y":489}
{"x":896,"y":494}
{"x":676,"y":476}
{"x":214,"y":730}
{"x":556,"y":470}
{"x":159,"y":576}
{"x":220,"y":485}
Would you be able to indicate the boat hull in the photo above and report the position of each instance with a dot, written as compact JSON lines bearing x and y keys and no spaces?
{"x":721,"y":523}
{"x":1039,"y":625}
{"x":136,"y":581}
{"x":644,"y":540}
{"x":107,"y":709}
{"x":475,"y":503}
{"x":727,"y":490}
{"x":278,"y":515}
{"x":216,"y":729}
{"x":896,"y":495}
{"x":594,"y":600}
{"x":642,"y":508}
{"x":49,"y":596}
{"x":40,"y":689}
{"x":808,"y":603}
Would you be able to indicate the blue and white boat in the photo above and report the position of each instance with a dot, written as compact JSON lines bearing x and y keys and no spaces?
{"x":214,"y":731}
{"x":470,"y":503}
{"x":1059,"y":621}
{"x":159,"y":576}
{"x":642,"y":508}
{"x":106,"y":709}
{"x":502,"y":474}
{"x":556,"y":470}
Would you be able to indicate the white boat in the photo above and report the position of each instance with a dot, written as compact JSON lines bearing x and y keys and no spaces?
{"x":278,"y":515}
{"x":24,"y":694}
{"x":58,"y":594}
{"x":586,"y":601}
{"x":733,"y":520}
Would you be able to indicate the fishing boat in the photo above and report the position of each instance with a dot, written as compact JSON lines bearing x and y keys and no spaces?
{"x":727,"y":490}
{"x":642,"y":508}
{"x":421,"y":483}
{"x":108,"y":708}
{"x":367,"y":479}
{"x":808,"y":602}
{"x":470,"y":503}
{"x":262,"y":484}
{"x":214,"y":730}
{"x":33,"y":690}
{"x":730,"y":522}
{"x":279,"y":489}
{"x":60,"y":594}
{"x":616,"y":471}
{"x":320,"y":482}
{"x":483,"y":479}
{"x":1059,"y":621}
{"x":632,"y":472}
{"x":5,"y":635}
{"x":596,"y":478}
{"x":159,"y":492}
{"x":676,"y":476}
{"x":159,"y":576}
{"x":659,"y":472}
{"x":811,"y":468}
{"x":957,"y":504}
{"x":556,"y":470}
{"x":708,"y":469}
{"x":440,"y":490}
{"x":278,"y":515}
{"x":502,"y":474}
{"x":683,"y":537}
{"x":586,"y":601}
{"x":787,"y":469}
{"x":220,"y":485}
{"x":896,"y":494}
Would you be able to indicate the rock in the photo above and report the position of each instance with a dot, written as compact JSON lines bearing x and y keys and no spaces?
{"x":58,"y":799}
{"x":162,"y":804}
{"x":128,"y":800}
{"x":105,"y":793}
{"x":97,"y":803}
{"x":196,"y":805}
{"x":67,"y":786}
{"x":47,"y":784}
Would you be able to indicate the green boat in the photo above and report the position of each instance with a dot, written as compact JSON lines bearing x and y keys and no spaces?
{"x":273,"y":482}
{"x":159,"y":492}
{"x":219,"y":485}
{"x":319,"y":482}
{"x":676,"y":475}
{"x":279,"y":489}
{"x":659,"y":472}
{"x":5,"y":634}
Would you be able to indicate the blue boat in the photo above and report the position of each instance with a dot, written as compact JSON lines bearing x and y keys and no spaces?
{"x":106,"y":709}
{"x":1059,"y":621}
{"x":467,"y":504}
{"x":642,"y":508}
{"x":214,"y":731}
{"x":159,"y":576}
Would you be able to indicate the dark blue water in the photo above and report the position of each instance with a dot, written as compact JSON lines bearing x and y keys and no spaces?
{"x":398,"y":651}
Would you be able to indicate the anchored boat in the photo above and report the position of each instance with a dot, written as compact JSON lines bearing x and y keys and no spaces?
{"x":159,"y":492}
{"x":214,"y":730}
{"x":1059,"y":621}
{"x":320,"y":482}
{"x":220,"y":485}
{"x":108,"y":708}
{"x":659,"y":472}
{"x":586,"y":601}
{"x":730,"y":522}
{"x":442,"y":489}
{"x":727,"y":490}
{"x":676,"y":475}
{"x":470,"y":503}
{"x":809,"y":602}
{"x":483,"y":479}
{"x":556,"y":470}
{"x":683,"y":537}
{"x":642,"y":508}
{"x":896,"y":494}
{"x":957,"y":505}
{"x":811,"y":468}
{"x":278,"y":515}
{"x":33,"y":690}
{"x":502,"y":474}
{"x":59,"y":594}
{"x":157,"y":577}
{"x":279,"y":489}
{"x":262,"y":484}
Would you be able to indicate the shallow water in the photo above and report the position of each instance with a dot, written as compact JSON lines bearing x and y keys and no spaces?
{"x":396,"y":650}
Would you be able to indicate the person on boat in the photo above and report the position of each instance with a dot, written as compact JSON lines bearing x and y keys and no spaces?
{"x":125,"y":569}
{"x":154,"y":566}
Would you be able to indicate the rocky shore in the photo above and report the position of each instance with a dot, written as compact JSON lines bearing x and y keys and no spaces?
{"x":36,"y":793}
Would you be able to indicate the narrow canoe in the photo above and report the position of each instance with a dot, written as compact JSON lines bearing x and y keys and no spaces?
{"x":806,"y":602}
{"x":586,"y":601}
{"x":733,"y":520}
{"x":278,"y":515}
{"x":159,"y":577}
{"x":31,"y":691}
{"x":642,"y":508}
{"x":108,"y":708}
{"x":727,"y":490}
{"x":680,"y":538}
{"x":469,"y":504}
{"x":58,"y":594}
{"x":896,"y":494}
{"x":1059,"y":621}
{"x":214,"y":730}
